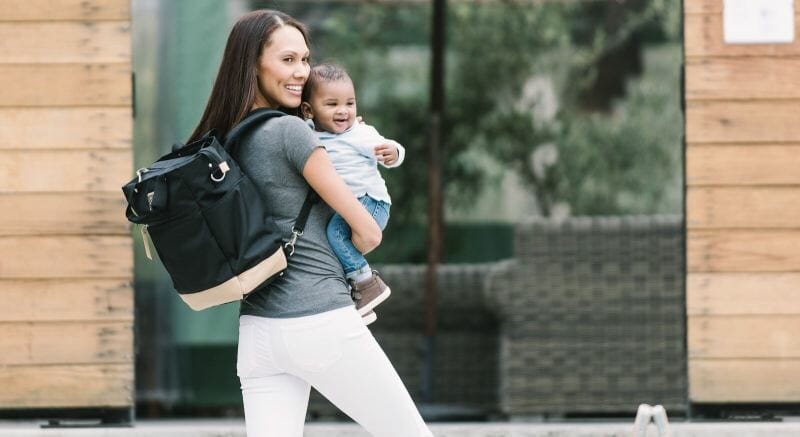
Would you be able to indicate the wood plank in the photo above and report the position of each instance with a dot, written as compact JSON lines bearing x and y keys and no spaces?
{"x":742,"y":293}
{"x":742,"y":78}
{"x":63,"y":214}
{"x":64,"y":170}
{"x":740,"y":207}
{"x":66,"y":128}
{"x":65,"y":42}
{"x":66,"y":257}
{"x":702,"y":6}
{"x":743,"y":122}
{"x":744,"y":380}
{"x":77,"y":85}
{"x":772,"y":336}
{"x":28,"y":343}
{"x":106,"y":385}
{"x":742,"y":164}
{"x":38,"y":10}
{"x":44,"y":300}
{"x":713,"y":6}
{"x":743,"y":251}
{"x":703,"y":37}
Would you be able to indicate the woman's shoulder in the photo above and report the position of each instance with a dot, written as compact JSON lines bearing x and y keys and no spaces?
{"x":287,"y":123}
{"x":289,"y":136}
{"x":281,"y":129}
{"x":287,"y":129}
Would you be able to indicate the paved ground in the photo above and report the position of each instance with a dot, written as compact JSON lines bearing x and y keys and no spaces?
{"x":235,"y":428}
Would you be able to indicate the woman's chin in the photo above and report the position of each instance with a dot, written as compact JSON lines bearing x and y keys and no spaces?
{"x":291,"y":102}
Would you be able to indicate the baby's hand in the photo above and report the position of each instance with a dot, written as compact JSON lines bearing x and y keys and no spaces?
{"x":386,"y":153}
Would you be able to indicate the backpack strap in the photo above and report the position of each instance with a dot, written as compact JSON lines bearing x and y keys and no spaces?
{"x":300,"y":222}
{"x":251,"y":120}
{"x":256,"y":118}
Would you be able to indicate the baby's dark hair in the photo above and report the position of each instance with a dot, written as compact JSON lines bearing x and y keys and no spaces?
{"x":323,"y":73}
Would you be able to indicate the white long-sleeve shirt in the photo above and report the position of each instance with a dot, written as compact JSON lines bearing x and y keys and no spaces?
{"x":352,"y":153}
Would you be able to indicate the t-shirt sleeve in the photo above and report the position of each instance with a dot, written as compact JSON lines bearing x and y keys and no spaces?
{"x":365,"y":138}
{"x":298,"y":142}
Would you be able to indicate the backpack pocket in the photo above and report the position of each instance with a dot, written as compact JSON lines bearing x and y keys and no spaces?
{"x":187,"y":247}
{"x":244,"y":229}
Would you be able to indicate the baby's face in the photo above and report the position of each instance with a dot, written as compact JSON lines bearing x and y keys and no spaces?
{"x":333,"y":105}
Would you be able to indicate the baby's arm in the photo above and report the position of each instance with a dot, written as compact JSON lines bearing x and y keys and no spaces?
{"x":322,"y":177}
{"x":390,"y":154}
{"x":369,"y":142}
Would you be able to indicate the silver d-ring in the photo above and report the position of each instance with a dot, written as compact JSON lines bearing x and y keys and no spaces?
{"x":224,"y":168}
{"x":217,"y":179}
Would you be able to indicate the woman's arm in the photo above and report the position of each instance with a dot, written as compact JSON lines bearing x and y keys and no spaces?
{"x":322,"y":177}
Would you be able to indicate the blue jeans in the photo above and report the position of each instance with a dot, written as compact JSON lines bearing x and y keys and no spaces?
{"x":339,"y":237}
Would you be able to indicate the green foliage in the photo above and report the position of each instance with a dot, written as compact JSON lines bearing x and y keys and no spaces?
{"x":628,"y":162}
{"x":385,"y":51}
{"x":623,"y":161}
{"x":619,"y":163}
{"x":494,"y":50}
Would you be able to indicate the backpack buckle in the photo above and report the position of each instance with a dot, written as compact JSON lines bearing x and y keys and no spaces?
{"x":289,"y":246}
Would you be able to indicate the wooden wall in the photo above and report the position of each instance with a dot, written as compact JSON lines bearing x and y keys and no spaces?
{"x":66,"y":261}
{"x":743,"y":213}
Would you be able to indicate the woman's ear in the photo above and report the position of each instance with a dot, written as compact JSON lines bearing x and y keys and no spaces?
{"x":305,"y":109}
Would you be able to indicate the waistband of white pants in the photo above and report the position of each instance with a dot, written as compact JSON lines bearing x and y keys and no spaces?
{"x":292,"y":321}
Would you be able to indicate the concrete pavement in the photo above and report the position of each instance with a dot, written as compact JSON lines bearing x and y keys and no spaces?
{"x":235,"y":428}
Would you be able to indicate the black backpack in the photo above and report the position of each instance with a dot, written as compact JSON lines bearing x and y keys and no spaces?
{"x":209,"y":224}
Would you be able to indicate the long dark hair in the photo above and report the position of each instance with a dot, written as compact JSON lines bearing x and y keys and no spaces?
{"x":234,"y":90}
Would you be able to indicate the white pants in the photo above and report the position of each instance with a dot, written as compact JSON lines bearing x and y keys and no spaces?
{"x":281,"y":359}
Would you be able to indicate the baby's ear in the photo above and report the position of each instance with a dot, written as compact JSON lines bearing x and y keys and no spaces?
{"x":305,"y":108}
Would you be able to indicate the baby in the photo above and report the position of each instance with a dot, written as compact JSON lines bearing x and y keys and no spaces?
{"x":355,"y":149}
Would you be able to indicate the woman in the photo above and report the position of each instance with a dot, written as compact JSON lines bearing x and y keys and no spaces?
{"x":303,"y":330}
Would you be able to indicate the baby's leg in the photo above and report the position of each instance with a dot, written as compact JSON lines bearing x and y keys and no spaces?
{"x":379,"y":211}
{"x":339,"y":237}
{"x":369,"y":290}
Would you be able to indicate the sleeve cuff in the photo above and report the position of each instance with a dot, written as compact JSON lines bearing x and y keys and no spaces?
{"x":401,"y":155}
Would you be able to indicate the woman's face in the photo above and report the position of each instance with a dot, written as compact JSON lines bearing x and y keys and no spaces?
{"x":282,"y":69}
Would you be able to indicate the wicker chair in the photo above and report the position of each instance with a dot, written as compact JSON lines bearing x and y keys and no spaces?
{"x":592,"y":316}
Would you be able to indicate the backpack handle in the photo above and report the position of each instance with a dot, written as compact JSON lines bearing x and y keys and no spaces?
{"x":152,"y":201}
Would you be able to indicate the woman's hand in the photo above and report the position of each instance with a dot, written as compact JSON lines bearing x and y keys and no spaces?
{"x":322,"y":177}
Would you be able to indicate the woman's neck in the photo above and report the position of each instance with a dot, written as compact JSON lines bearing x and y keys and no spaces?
{"x":261,"y":102}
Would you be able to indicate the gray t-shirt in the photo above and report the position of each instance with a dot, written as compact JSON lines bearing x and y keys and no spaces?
{"x":274,"y":156}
